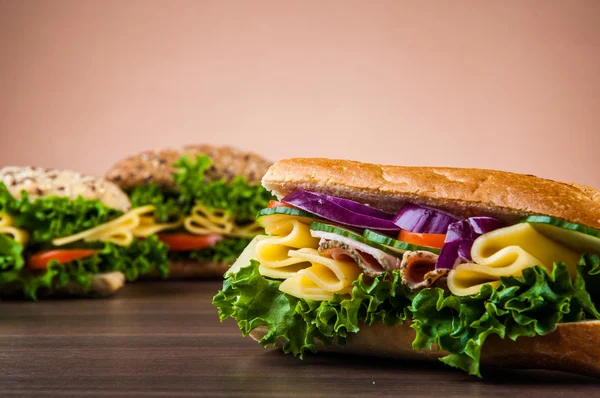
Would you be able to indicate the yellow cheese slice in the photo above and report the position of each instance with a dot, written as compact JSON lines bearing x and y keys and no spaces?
{"x":7,"y":228}
{"x":203,"y":221}
{"x":507,"y":252}
{"x":118,"y":231}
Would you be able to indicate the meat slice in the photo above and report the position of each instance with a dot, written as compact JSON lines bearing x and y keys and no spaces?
{"x":371,"y":260}
{"x":418,"y":270}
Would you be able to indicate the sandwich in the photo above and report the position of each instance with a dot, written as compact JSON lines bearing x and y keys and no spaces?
{"x":467,"y":266}
{"x":67,"y":234}
{"x":205,"y":199}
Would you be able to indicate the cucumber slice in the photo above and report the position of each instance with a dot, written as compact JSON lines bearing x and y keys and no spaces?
{"x":396,"y":244}
{"x":574,"y":236}
{"x":317,"y":226}
{"x":278,"y":213}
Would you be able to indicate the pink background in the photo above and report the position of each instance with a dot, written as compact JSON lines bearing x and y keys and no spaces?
{"x":511,"y":85}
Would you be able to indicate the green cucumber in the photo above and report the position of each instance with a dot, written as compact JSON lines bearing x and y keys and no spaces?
{"x":574,"y":236}
{"x":396,"y":244}
{"x":277,"y":213}
{"x":318,"y":226}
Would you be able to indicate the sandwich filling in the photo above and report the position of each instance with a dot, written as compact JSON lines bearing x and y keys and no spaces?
{"x":200,"y":219}
{"x":327,"y":266}
{"x":49,"y":242}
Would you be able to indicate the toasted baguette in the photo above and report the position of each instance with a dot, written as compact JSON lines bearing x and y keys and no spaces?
{"x":465,"y":192}
{"x":40,"y":182}
{"x":157,"y":166}
{"x":572,"y":347}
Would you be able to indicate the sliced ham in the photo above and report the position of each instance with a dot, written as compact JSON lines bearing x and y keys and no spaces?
{"x":418,"y":270}
{"x":371,"y":260}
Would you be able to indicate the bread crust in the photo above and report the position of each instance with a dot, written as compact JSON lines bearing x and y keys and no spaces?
{"x":103,"y":285}
{"x":192,"y":269}
{"x":572,"y":347}
{"x":41,"y":182}
{"x":465,"y":192}
{"x":156,"y":166}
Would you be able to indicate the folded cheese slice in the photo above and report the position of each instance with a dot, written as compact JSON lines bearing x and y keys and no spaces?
{"x":273,"y":251}
{"x":507,"y":252}
{"x":7,"y":227}
{"x":322,"y":279}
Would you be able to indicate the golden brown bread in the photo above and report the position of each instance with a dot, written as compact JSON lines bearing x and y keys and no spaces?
{"x":103,"y":285}
{"x":507,"y":196}
{"x":192,"y":269}
{"x":41,"y":182}
{"x":572,"y":347}
{"x":157,"y":166}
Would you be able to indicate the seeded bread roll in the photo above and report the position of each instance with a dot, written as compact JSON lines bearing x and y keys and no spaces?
{"x":572,"y":347}
{"x":466,"y":192}
{"x":41,"y":182}
{"x":157,"y":166}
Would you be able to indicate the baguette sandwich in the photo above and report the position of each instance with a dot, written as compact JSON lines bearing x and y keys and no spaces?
{"x":467,"y":266}
{"x":66,"y":234}
{"x":205,"y":199}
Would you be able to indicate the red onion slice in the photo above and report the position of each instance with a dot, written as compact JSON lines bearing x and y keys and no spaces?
{"x":340,"y":210}
{"x":460,"y":237}
{"x":420,"y":219}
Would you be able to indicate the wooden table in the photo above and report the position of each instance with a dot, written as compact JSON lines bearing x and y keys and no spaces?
{"x":164,"y":339}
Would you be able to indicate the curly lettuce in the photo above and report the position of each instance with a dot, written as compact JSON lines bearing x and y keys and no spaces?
{"x":141,"y":257}
{"x":526,"y":306}
{"x":238,"y":197}
{"x":167,"y":204}
{"x":54,"y":217}
{"x":254,"y":301}
{"x":11,"y":254}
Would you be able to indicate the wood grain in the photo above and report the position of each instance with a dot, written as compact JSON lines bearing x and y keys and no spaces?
{"x":164,"y":339}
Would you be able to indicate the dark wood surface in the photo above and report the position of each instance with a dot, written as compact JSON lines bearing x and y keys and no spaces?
{"x":164,"y":339}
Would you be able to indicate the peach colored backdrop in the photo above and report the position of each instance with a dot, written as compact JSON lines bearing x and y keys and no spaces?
{"x":509,"y":84}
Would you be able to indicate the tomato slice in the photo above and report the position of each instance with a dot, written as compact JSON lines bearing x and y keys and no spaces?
{"x":429,"y":240}
{"x":183,"y":241}
{"x":40,"y":260}
{"x":274,"y":203}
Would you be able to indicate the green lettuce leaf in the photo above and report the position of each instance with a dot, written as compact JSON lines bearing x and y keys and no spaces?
{"x":167,"y":204}
{"x":530,"y":305}
{"x":11,"y":254}
{"x":27,"y":282}
{"x":237,"y":197}
{"x":226,"y":251}
{"x":141,"y":257}
{"x":254,"y":301}
{"x":526,"y":306}
{"x":53,"y":217}
{"x":587,"y":287}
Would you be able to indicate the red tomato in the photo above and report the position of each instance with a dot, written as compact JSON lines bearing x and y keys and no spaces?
{"x":40,"y":260}
{"x":274,"y":203}
{"x":185,"y":242}
{"x":429,"y":240}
